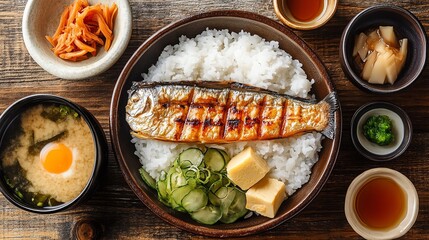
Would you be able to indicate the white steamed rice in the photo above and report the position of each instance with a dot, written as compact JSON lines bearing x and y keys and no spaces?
{"x":222,"y":55}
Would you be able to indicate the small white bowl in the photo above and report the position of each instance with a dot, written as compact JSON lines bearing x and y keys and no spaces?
{"x":412,"y":208}
{"x":41,"y":18}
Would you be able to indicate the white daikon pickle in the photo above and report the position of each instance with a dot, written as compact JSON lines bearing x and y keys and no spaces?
{"x":378,"y":74}
{"x":361,"y":46}
{"x":403,"y":51}
{"x":383,"y":57}
{"x":373,"y":38}
{"x":369,"y":65}
{"x":388,"y":35}
{"x":363,"y":52}
{"x":380,"y":47}
{"x":392,"y":69}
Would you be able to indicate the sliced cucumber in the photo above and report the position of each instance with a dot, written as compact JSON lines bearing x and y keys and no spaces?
{"x":213,"y":198}
{"x":223,"y":192}
{"x":207,"y":215}
{"x":195,"y":200}
{"x":215,"y":177}
{"x":192,"y":182}
{"x":147,"y":178}
{"x":161,"y":187}
{"x":172,"y":171}
{"x":197,"y":183}
{"x":214,"y":160}
{"x":189,"y":157}
{"x":226,"y":196}
{"x":236,"y":209}
{"x":177,"y":196}
{"x":225,"y":155}
{"x":177,"y":180}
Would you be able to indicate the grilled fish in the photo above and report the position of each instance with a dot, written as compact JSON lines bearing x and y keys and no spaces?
{"x":221,"y":112}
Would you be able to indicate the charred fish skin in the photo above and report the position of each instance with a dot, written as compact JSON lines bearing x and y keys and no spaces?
{"x":221,"y":112}
{"x":158,"y":111}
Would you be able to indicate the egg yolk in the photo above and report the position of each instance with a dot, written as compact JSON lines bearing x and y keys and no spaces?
{"x":56,"y":157}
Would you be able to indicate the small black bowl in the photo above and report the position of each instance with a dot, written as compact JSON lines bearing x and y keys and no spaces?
{"x":406,"y":25}
{"x":402,"y":130}
{"x":10,"y":117}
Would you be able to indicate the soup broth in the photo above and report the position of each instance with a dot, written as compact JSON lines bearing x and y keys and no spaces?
{"x":305,"y":10}
{"x":381,"y":203}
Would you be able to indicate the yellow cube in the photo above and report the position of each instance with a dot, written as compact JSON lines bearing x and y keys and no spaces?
{"x":247,"y":168}
{"x":266,"y":196}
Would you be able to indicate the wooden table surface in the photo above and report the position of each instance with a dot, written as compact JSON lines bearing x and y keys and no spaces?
{"x":115,"y":206}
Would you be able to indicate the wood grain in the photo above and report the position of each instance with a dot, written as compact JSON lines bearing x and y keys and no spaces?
{"x":114,"y":205}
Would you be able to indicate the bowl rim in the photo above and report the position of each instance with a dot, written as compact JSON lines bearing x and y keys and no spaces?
{"x":143,"y":196}
{"x":65,"y":71}
{"x":346,"y":65}
{"x":405,"y":119}
{"x":100,"y":145}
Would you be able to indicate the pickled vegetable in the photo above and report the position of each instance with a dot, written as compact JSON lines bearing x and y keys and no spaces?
{"x":380,"y":55}
{"x":196,"y":183}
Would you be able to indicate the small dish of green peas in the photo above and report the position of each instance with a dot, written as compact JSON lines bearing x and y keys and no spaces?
{"x":381,"y":131}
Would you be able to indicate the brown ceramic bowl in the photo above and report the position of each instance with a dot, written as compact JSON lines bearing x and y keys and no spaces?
{"x":406,"y":25}
{"x":148,"y":54}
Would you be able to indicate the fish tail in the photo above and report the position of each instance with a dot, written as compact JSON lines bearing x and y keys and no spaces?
{"x":332,"y":100}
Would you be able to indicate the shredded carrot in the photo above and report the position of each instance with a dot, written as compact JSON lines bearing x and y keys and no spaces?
{"x":81,"y":28}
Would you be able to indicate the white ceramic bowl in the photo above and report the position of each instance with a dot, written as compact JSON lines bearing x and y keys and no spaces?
{"x":412,"y":207}
{"x":41,"y":18}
